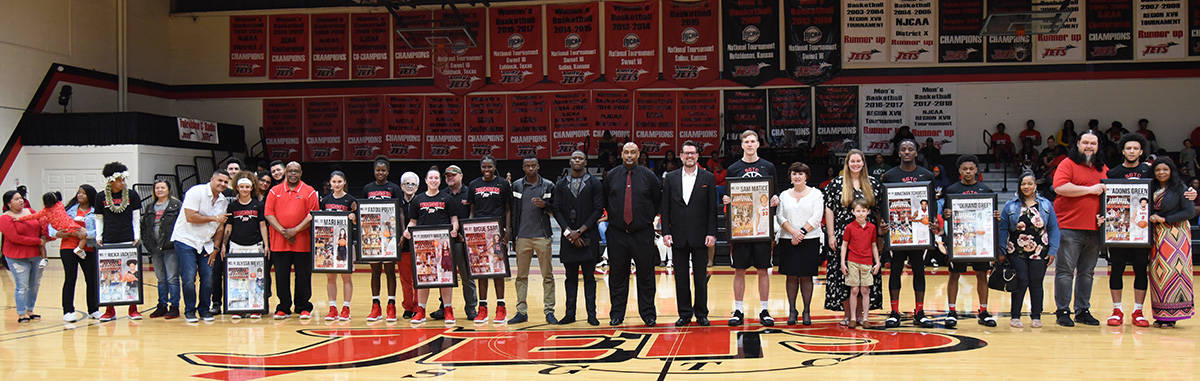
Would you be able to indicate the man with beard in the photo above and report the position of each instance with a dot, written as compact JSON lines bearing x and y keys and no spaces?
{"x":579,"y":203}
{"x":908,"y":172}
{"x":1077,"y":183}
{"x":632,"y":197}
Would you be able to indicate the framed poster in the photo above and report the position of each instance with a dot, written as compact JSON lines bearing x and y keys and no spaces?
{"x":750,"y":212}
{"x":120,"y":275}
{"x":908,"y":215}
{"x":487,"y":252}
{"x":433,"y":259}
{"x":379,"y":231}
{"x":331,"y":243}
{"x":1126,"y":206}
{"x":245,"y":280}
{"x":972,"y":228}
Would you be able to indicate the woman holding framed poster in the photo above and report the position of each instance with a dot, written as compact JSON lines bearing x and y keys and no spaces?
{"x":382,"y":189}
{"x":487,"y":255}
{"x":330,"y":233}
{"x":245,"y":281}
{"x":854,"y":183}
{"x":340,"y":201}
{"x":433,"y":262}
{"x":246,"y":229}
{"x":1172,"y":297}
{"x":1030,"y":235}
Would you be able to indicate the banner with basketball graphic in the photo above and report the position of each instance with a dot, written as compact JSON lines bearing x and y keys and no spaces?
{"x":1009,"y":48}
{"x":1109,"y":30}
{"x":458,"y":67}
{"x":1160,"y":30}
{"x":751,"y":38}
{"x":654,"y":121}
{"x":486,"y":126}
{"x":516,"y":34}
{"x":690,"y":39}
{"x":443,"y":127}
{"x":331,"y":46}
{"x":612,"y":113}
{"x":1067,"y":44}
{"x":865,"y":32}
{"x":283,"y":129}
{"x":369,"y":47}
{"x":837,"y":118}
{"x":405,"y":124}
{"x":1193,"y":27}
{"x":814,"y":33}
{"x":631,"y":43}
{"x":323,"y":132}
{"x":573,"y":43}
{"x":288,"y":47}
{"x":791,"y":117}
{"x":914,"y":32}
{"x":529,"y":125}
{"x":699,"y":119}
{"x":959,"y":23}
{"x":744,"y":110}
{"x":247,"y":46}
{"x":570,"y":124}
{"x":364,"y":127}
{"x":409,"y":60}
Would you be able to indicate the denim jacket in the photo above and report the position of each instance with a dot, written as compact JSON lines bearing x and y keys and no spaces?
{"x":89,"y":222}
{"x":1012,"y":213}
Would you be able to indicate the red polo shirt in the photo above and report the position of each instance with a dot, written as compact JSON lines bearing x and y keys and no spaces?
{"x":1077,"y":213}
{"x":290,"y":207}
{"x":859,"y":239}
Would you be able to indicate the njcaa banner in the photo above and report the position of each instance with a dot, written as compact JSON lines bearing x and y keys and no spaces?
{"x":744,"y":110}
{"x":837,"y":117}
{"x":1160,"y":30}
{"x":411,"y":63}
{"x":458,"y":67}
{"x":1067,"y":44}
{"x":573,"y":44}
{"x":690,"y":38}
{"x":932,"y":112}
{"x":914,"y":34}
{"x":1109,"y":30}
{"x":283,"y":129}
{"x":369,"y":47}
{"x":883,"y":111}
{"x":699,"y":119}
{"x":323,"y":129}
{"x":331,"y":46}
{"x":1194,"y":27}
{"x":529,"y":125}
{"x":247,"y":46}
{"x":516,"y":53}
{"x":631,"y":43}
{"x":1009,"y":48}
{"x":654,"y":121}
{"x":570,"y":124}
{"x":288,"y":47}
{"x":443,"y":127}
{"x":928,"y":109}
{"x":364,"y":127}
{"x":612,"y":112}
{"x":791,"y":117}
{"x":866,"y":32}
{"x":487,"y":126}
{"x":959,"y":23}
{"x":814,"y":33}
{"x":751,"y":38}
{"x":405,"y":121}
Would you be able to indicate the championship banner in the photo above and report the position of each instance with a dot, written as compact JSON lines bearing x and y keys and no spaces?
{"x":699,"y":119}
{"x":411,"y":63}
{"x":932,"y":114}
{"x":631,"y":42}
{"x":573,"y":43}
{"x":1008,"y":48}
{"x":459,"y":68}
{"x":516,"y":34}
{"x":866,"y":33}
{"x":1067,"y":44}
{"x":569,"y":122}
{"x":959,"y":23}
{"x":1109,"y":30}
{"x":1160,"y":30}
{"x":751,"y":32}
{"x":247,"y":46}
{"x":323,"y":129}
{"x":883,"y":111}
{"x":529,"y":125}
{"x":690,"y":39}
{"x":914,"y":33}
{"x":837,"y":117}
{"x":1194,"y":27}
{"x":288,"y":47}
{"x":364,"y":127}
{"x":791,"y":117}
{"x":744,"y":110}
{"x":814,"y":32}
{"x":443,"y":127}
{"x":331,"y":46}
{"x":486,"y":124}
{"x":654,"y":121}
{"x":405,"y":123}
{"x":612,"y":113}
{"x":283,"y":129}
{"x":369,"y":45}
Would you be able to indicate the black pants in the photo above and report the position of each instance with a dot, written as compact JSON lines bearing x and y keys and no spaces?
{"x":1139,"y":258}
{"x":218,"y":283}
{"x":639,"y":246}
{"x":589,"y":287}
{"x":1030,"y":273}
{"x":71,"y":266}
{"x":284,"y":261}
{"x":685,"y":257}
{"x":916,"y":258}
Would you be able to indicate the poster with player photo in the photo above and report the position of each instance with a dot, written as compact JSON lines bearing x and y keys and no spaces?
{"x":331,"y":243}
{"x":245,"y":281}
{"x":379,"y":233}
{"x":487,"y":252}
{"x":972,"y":228}
{"x":433,"y":259}
{"x":120,"y":275}
{"x":1126,"y":208}
{"x":750,"y":213}
{"x":909,"y":222}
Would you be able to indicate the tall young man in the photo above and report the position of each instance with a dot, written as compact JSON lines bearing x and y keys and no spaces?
{"x":908,"y":172}
{"x":578,"y":204}
{"x":532,"y":196}
{"x":968,"y":183}
{"x":757,"y":254}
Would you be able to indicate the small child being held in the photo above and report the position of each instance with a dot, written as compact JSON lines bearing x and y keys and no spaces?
{"x":56,"y":216}
{"x":860,"y":261}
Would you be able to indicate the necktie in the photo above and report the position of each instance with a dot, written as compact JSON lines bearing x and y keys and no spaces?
{"x":628,"y":198}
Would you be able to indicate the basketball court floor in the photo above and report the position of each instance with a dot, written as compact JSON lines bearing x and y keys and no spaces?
{"x":357,"y":350}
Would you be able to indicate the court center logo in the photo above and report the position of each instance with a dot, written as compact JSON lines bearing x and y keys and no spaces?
{"x":598,"y":351}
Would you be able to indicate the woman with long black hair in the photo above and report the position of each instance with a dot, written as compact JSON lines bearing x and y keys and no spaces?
{"x":1029,"y":233}
{"x":1171,"y":298}
{"x":80,"y":208}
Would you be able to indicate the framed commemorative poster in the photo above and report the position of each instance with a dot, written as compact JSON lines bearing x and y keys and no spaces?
{"x":972,"y":228}
{"x":750,"y":215}
{"x":909,"y":223}
{"x":379,"y":230}
{"x":487,"y":253}
{"x":331,"y":243}
{"x":245,"y":280}
{"x":120,"y":275}
{"x":1126,"y":208}
{"x":433,"y":258}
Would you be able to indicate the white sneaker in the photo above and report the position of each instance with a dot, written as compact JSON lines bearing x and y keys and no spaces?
{"x":96,"y":315}
{"x":72,"y":317}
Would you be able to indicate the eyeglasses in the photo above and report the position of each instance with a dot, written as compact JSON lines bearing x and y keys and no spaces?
{"x":409,"y":184}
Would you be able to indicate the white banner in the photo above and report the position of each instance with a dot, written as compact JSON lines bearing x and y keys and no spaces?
{"x":1067,"y":44}
{"x":882,"y":112}
{"x":196,"y":130}
{"x":864,"y":32}
{"x":928,"y":109}
{"x":1160,"y":30}
{"x":932,"y":113}
{"x":914,"y":32}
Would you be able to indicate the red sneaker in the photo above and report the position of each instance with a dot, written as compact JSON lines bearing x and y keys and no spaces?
{"x":449,"y":315}
{"x":1138,"y":320}
{"x":332,"y":315}
{"x":501,"y":315}
{"x":375,"y":313}
{"x":134,"y":314}
{"x":109,"y":314}
{"x":305,"y":315}
{"x":391,"y":312}
{"x":481,"y":315}
{"x":280,"y":315}
{"x":419,"y":317}
{"x":1117,"y":318}
{"x":345,"y":316}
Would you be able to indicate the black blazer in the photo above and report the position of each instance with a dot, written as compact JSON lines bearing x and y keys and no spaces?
{"x":1174,"y":207}
{"x":573,"y":212}
{"x":688,"y":224}
{"x":647,"y":194}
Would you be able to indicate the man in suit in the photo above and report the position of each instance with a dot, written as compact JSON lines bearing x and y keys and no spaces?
{"x":632,"y":195}
{"x":579,"y":203}
{"x":689,"y":226}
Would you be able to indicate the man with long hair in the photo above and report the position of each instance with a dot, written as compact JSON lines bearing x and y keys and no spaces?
{"x":1077,"y":183}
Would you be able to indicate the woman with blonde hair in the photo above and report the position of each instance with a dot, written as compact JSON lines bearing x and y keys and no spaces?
{"x":853,"y":183}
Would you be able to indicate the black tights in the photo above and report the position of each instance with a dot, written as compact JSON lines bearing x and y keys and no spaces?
{"x":803,"y":284}
{"x":1139,"y":258}
{"x":385,"y":267}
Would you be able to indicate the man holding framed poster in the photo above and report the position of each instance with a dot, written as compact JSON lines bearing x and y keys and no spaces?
{"x":750,"y":220}
{"x":908,"y":190}
{"x":120,"y":269}
{"x":489,"y":197}
{"x":578,"y":204}
{"x":975,"y":249}
{"x":245,"y":279}
{"x":205,"y":209}
{"x":331,"y":244}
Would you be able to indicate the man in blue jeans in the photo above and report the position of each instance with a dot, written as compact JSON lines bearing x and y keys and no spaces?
{"x":195,"y":235}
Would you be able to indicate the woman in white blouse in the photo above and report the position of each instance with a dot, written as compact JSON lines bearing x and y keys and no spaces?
{"x":798,"y":223}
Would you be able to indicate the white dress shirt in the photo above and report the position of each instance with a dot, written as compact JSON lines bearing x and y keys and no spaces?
{"x":807,"y":210}
{"x":689,"y":181}
{"x":201,"y":199}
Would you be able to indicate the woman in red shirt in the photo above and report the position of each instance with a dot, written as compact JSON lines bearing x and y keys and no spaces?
{"x":23,"y":248}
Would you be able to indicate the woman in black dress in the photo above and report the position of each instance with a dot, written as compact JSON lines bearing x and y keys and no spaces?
{"x":853,"y":183}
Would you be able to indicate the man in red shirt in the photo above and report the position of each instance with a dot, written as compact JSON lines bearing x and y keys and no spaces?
{"x":1002,"y":145}
{"x":1031,"y":132}
{"x":287,"y":211}
{"x":1077,"y":183}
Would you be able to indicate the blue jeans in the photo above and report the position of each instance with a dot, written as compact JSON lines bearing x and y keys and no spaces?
{"x":27,"y":276}
{"x":192,"y":261}
{"x":603,"y":227}
{"x":166,"y":269}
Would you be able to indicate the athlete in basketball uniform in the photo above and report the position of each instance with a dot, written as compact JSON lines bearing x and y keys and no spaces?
{"x":908,"y":172}
{"x":968,"y":168}
{"x":757,"y":254}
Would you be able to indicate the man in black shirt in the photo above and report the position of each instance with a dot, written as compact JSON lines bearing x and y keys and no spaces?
{"x":968,"y":169}
{"x":632,"y":197}
{"x":907,"y":172}
{"x":489,"y":198}
{"x":578,"y":204}
{"x":456,"y":189}
{"x":757,"y":254}
{"x":117,"y":217}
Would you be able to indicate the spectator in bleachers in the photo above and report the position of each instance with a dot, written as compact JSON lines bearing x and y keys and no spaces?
{"x":1066,"y":136}
{"x":1187,"y":159}
{"x":1031,"y":132}
{"x":879,"y":166}
{"x":931,"y":154}
{"x":1002,"y":145}
{"x":903,"y":133}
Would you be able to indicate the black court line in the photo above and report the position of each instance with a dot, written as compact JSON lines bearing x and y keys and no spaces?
{"x":665,"y":370}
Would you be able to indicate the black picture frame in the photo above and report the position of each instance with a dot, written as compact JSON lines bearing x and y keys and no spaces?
{"x":960,"y":205}
{"x":491,"y":246}
{"x":116,"y":288}
{"x":367,"y":232}
{"x":235,"y":285}
{"x":427,"y":240}
{"x":897,"y":226}
{"x":751,"y":217}
{"x":1117,"y":190}
{"x":323,"y":251}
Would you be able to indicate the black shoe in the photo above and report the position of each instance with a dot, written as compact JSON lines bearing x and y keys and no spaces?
{"x":216,"y":309}
{"x":439,"y":314}
{"x":986,"y":319}
{"x":920,"y":320}
{"x":737,"y":318}
{"x":518,"y":318}
{"x":805,"y":318}
{"x":568,"y":319}
{"x":550,"y":319}
{"x":593,"y":321}
{"x":765,"y":319}
{"x":792,"y":316}
{"x":159,"y":311}
{"x":616,"y":321}
{"x":683,"y":322}
{"x":409,"y":314}
{"x":703,"y":321}
{"x":1064,"y":318}
{"x":1085,"y":317}
{"x":471,"y":314}
{"x":650,"y":322}
{"x":893,"y":320}
{"x":952,"y":319}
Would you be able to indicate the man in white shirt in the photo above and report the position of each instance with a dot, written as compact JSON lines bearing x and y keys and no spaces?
{"x":204,"y":211}
{"x":689,"y":226}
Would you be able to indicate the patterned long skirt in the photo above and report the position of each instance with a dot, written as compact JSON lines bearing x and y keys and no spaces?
{"x":1172,"y":296}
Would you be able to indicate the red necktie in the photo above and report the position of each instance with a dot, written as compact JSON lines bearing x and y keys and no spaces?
{"x":628,"y":198}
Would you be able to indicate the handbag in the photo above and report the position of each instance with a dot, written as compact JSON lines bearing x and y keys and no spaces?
{"x":1003,"y":278}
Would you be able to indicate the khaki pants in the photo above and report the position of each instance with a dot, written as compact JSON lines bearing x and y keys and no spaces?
{"x":526,"y":248}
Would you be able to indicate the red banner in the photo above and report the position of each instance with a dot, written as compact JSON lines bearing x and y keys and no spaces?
{"x":516,"y":46}
{"x":331,"y":46}
{"x":700,"y":119}
{"x":528,"y":126}
{"x":411,"y":63}
{"x":486,"y":126}
{"x":654,"y":121}
{"x":405,"y":120}
{"x":289,"y":47}
{"x":574,"y":43}
{"x":569,"y":122}
{"x":283,"y":129}
{"x":247,"y":46}
{"x":613,"y":114}
{"x":460,"y":68}
{"x":690,"y":35}
{"x":631,"y":39}
{"x":364,"y":127}
{"x":443,"y":127}
{"x":323,"y":129}
{"x":369,"y":45}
